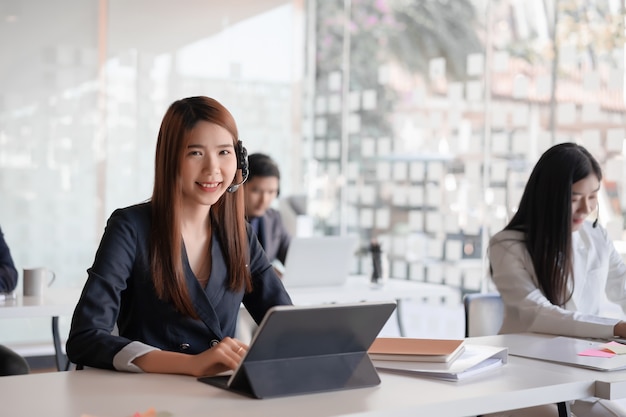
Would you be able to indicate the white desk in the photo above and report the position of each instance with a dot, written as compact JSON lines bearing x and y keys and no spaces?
{"x":115,"y":394}
{"x":55,"y":303}
{"x":359,"y":288}
{"x":610,"y":385}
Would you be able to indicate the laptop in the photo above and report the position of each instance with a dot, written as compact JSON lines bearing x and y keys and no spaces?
{"x":565,"y":350}
{"x":319,"y":261}
{"x":307,"y":349}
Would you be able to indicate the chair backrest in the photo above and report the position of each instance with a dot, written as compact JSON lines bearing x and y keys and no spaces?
{"x":483,"y":314}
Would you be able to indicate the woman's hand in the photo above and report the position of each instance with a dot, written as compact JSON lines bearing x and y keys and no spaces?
{"x":224,"y":356}
{"x":620,"y":329}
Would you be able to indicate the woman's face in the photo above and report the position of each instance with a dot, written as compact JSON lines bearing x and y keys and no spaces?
{"x":209,"y":164}
{"x":584,"y":199}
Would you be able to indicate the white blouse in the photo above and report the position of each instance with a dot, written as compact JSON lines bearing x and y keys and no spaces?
{"x":599,"y":278}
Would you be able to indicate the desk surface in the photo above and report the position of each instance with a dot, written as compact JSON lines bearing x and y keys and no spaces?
{"x":115,"y":394}
{"x":610,"y":385}
{"x":56,"y":302}
{"x":358,"y":288}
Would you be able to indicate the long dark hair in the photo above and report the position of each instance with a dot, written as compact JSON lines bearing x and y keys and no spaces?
{"x":545,"y":216}
{"x":227,"y":214}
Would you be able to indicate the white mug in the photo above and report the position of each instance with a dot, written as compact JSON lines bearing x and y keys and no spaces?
{"x":36,"y":280}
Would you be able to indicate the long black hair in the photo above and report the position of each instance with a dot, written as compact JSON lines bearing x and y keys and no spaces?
{"x":545,"y":216}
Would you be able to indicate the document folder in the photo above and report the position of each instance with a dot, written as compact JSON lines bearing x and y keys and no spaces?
{"x":300,"y":350}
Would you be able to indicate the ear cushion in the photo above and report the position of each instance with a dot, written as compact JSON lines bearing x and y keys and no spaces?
{"x":242,"y":161}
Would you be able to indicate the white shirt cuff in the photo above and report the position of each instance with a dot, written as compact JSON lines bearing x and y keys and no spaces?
{"x":122,"y":361}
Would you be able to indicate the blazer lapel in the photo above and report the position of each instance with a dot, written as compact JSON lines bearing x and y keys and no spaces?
{"x":199,"y":298}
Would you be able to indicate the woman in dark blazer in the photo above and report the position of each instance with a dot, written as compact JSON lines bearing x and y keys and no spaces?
{"x":172,"y":272}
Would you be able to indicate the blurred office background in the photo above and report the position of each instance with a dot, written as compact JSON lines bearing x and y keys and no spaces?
{"x":415,"y":122}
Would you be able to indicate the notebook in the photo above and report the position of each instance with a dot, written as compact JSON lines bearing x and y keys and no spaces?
{"x":319,"y":261}
{"x":566,"y":350}
{"x":306,"y":349}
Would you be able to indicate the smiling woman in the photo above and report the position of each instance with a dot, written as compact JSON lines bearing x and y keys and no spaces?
{"x":173,"y":272}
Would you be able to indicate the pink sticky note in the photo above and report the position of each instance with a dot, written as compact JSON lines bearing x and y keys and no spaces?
{"x":597,"y":353}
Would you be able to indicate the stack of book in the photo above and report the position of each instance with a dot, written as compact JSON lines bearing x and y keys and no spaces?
{"x":450,"y":359}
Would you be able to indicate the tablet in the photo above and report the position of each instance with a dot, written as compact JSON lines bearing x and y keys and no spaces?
{"x":306,"y":349}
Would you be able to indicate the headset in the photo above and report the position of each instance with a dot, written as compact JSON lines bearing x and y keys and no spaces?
{"x":242,"y":164}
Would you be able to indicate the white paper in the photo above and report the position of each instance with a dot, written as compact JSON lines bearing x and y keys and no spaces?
{"x":591,"y":140}
{"x":334,"y":81}
{"x":384,"y":146}
{"x":417,"y":171}
{"x":334,"y":104}
{"x":321,"y":105}
{"x":474,"y":90}
{"x":615,"y":140}
{"x":382,"y":218}
{"x":320,"y":126}
{"x":544,"y":85}
{"x":591,"y":81}
{"x":454,"y":250}
{"x":455,"y":92}
{"x":434,"y":224}
{"x":369,"y":100}
{"x":520,"y":115}
{"x":400,"y":171}
{"x":591,"y":112}
{"x":399,"y":269}
{"x":383,"y":171}
{"x":319,"y":149}
{"x":334,"y":149}
{"x":475,"y":64}
{"x":520,"y":86}
{"x":366,"y":218}
{"x":500,"y":61}
{"x":368,"y":147}
{"x":368,"y":194}
{"x":614,"y":169}
{"x":566,"y":113}
{"x":416,"y":220}
{"x":400,"y":195}
{"x":354,"y":101}
{"x":499,"y":143}
{"x":354,"y":123}
{"x":416,"y":196}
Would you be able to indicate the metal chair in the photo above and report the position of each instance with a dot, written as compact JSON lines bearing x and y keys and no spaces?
{"x":484,"y":313}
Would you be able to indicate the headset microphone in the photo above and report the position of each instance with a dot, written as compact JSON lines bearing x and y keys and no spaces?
{"x":242,"y":164}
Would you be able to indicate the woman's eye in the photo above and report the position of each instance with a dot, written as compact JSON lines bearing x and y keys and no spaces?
{"x":225,"y":152}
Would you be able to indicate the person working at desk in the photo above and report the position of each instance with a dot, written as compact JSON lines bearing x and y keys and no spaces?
{"x":172,"y":272}
{"x":552,"y":268}
{"x":11,"y":363}
{"x":261,"y":189}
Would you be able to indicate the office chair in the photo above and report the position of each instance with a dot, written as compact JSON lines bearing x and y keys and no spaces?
{"x":11,"y":363}
{"x":484,"y":313}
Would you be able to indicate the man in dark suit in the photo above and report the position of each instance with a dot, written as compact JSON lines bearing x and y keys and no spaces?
{"x":10,"y":362}
{"x":261,"y":189}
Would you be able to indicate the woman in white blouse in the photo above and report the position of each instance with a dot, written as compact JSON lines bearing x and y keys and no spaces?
{"x":556,"y":272}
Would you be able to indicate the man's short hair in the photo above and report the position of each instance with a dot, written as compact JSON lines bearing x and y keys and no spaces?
{"x":261,"y":165}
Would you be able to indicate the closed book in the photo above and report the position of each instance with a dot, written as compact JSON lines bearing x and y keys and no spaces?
{"x":419,"y":350}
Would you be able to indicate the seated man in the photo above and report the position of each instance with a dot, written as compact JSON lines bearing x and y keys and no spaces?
{"x":10,"y":362}
{"x":261,"y":189}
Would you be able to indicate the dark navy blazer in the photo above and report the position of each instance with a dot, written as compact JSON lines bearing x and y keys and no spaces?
{"x":275,"y":239}
{"x":119,"y":290}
